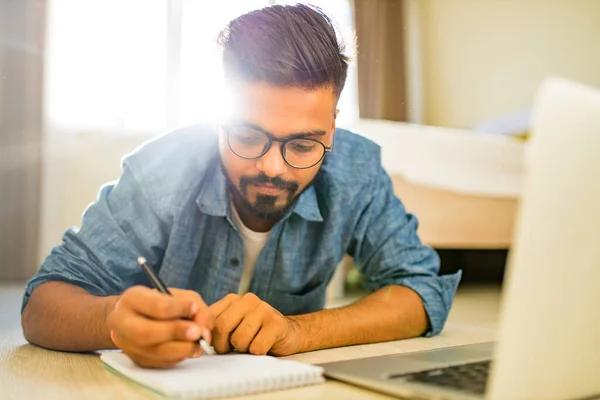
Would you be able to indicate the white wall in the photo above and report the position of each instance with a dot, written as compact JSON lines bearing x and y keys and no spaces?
{"x":481,"y":59}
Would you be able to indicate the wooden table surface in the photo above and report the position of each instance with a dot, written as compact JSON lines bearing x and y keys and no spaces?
{"x":30,"y":372}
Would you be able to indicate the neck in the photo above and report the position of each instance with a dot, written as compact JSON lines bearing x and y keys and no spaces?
{"x":250,"y":221}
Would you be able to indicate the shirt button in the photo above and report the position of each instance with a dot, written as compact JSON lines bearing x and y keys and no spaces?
{"x":234,"y":261}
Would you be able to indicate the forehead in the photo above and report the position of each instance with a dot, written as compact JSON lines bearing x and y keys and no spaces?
{"x":283,"y":110}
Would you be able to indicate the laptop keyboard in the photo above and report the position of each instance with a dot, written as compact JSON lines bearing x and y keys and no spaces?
{"x":467,"y":377}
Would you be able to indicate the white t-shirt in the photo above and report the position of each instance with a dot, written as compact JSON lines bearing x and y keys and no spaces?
{"x":253,"y":244}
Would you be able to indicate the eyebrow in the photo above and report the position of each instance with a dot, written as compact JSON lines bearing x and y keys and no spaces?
{"x":313,"y":132}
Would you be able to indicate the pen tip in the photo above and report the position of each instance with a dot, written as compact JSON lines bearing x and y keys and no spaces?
{"x":141,"y":260}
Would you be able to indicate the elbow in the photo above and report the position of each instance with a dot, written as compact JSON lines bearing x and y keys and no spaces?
{"x":31,"y":323}
{"x":28,"y":324}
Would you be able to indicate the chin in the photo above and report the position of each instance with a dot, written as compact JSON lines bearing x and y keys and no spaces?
{"x":268,"y":207}
{"x":277,"y":200}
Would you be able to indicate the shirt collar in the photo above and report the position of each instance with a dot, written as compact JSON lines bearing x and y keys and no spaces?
{"x":307,"y":205}
{"x":213,"y":197}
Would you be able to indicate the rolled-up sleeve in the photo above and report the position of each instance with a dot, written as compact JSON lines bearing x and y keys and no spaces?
{"x":388,"y":251}
{"x":101,"y":256}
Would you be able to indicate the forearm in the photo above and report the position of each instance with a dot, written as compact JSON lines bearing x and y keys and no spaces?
{"x":61,"y":316}
{"x":391,"y":313}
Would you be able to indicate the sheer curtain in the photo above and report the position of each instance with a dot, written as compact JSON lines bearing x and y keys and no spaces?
{"x":146,"y":66}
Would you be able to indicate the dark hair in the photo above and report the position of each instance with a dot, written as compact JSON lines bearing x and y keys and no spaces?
{"x":285,"y":46}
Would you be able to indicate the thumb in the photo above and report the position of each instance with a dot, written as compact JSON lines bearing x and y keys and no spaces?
{"x":203,"y":316}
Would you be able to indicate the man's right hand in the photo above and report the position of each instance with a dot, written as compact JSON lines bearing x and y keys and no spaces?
{"x":156,"y":330}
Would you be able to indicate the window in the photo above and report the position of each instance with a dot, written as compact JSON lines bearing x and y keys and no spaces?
{"x":138,"y":65}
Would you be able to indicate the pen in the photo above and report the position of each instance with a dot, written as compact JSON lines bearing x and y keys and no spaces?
{"x":158,"y":284}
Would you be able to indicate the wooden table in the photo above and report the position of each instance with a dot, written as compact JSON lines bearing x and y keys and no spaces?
{"x":30,"y":372}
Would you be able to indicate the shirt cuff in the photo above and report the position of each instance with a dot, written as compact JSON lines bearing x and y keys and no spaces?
{"x":63,"y":276}
{"x":437,"y":294}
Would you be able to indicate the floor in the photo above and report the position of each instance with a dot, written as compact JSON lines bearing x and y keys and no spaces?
{"x":10,"y":305}
{"x":475,"y":304}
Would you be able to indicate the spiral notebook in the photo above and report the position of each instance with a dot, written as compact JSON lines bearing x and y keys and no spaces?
{"x":210,"y":377}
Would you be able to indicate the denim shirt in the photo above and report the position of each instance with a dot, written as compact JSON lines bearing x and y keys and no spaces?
{"x":171,"y":206}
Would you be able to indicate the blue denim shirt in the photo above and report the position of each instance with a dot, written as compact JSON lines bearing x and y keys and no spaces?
{"x":171,"y":206}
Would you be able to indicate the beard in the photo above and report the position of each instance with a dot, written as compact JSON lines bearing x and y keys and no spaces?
{"x":265,"y":206}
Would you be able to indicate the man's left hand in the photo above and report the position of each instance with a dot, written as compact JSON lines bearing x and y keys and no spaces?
{"x":250,"y":325}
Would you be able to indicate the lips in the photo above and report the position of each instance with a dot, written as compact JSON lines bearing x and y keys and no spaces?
{"x":268,"y":189}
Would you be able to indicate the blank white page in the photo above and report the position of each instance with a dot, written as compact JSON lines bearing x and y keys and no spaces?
{"x":218,"y":376}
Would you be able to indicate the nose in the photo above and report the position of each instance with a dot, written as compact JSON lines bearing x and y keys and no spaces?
{"x":272,"y":163}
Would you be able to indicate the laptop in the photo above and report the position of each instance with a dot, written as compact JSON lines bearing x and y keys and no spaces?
{"x":548,"y":344}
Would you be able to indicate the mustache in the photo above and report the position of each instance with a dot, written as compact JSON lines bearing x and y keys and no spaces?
{"x":263,"y":179}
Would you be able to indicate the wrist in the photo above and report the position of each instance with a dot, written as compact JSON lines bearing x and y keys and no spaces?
{"x":301,"y":338}
{"x":109,"y":305}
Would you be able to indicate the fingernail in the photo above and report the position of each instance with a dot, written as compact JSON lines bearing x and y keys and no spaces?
{"x":197,"y":353}
{"x":193,"y":309}
{"x":193,"y":333}
{"x":207,"y":335}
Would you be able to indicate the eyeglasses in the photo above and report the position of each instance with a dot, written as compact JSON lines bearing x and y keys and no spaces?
{"x":251,"y":143}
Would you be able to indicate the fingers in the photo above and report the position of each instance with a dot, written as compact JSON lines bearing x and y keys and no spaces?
{"x":205,"y":318}
{"x":156,"y":330}
{"x":246,"y":331}
{"x":203,"y":315}
{"x":147,"y":332}
{"x":161,"y":355}
{"x":264,"y":340}
{"x":151,"y":327}
{"x":221,"y":305}
{"x":156,"y":305}
{"x":229,"y":319}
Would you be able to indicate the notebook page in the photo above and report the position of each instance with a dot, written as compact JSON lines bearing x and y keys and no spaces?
{"x":220,"y":375}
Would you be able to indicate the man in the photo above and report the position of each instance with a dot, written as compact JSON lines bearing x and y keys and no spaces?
{"x":250,"y":216}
